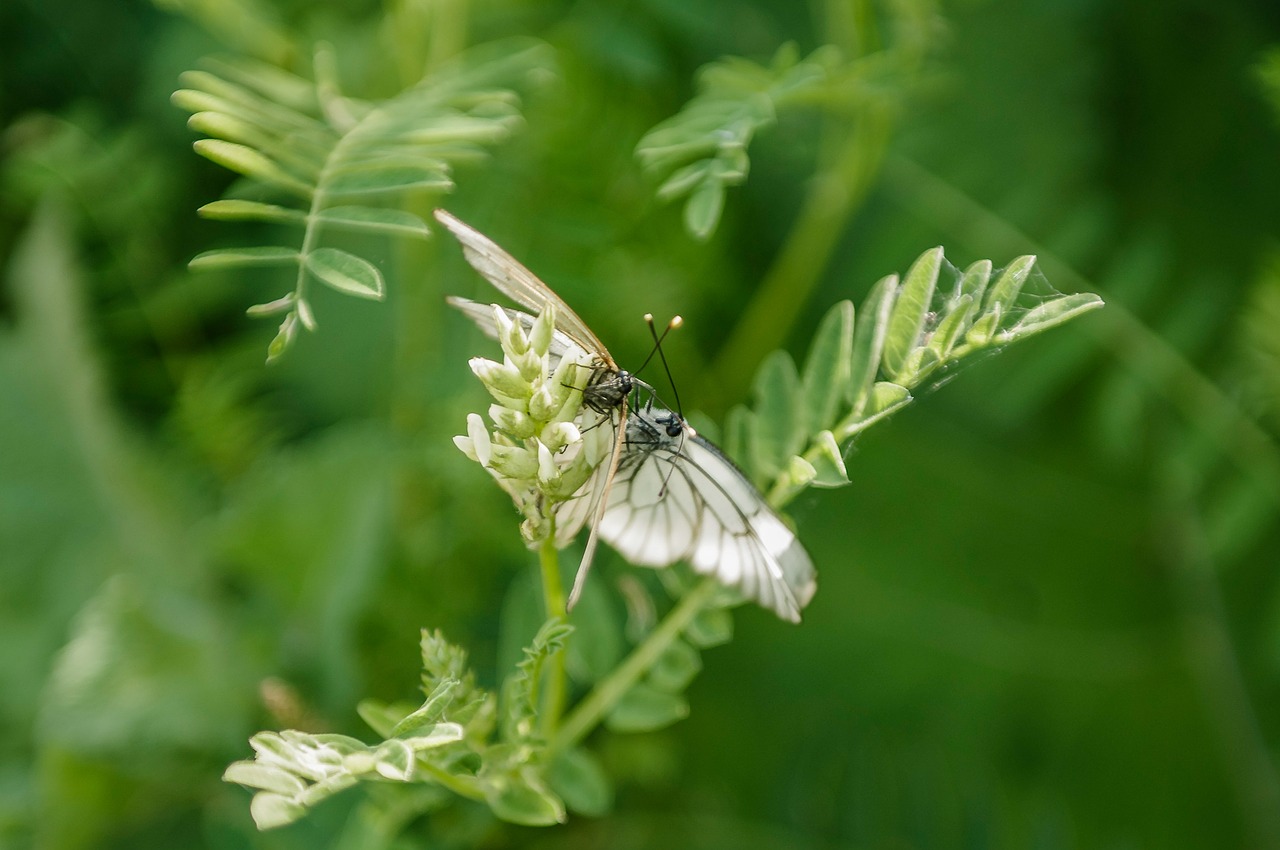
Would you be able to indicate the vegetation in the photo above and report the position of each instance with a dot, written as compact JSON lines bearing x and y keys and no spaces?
{"x":1047,"y":602}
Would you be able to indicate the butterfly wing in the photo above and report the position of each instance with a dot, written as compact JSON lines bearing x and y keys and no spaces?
{"x":678,"y":498}
{"x":521,"y":285}
{"x":482,"y":315}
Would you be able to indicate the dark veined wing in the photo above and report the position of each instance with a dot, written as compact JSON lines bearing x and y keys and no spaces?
{"x":521,"y":285}
{"x":676,"y":497}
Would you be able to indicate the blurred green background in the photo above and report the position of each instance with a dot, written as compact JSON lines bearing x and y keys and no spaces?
{"x":1049,"y":607}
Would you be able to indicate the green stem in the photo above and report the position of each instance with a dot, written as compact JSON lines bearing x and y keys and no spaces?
{"x":588,"y":713}
{"x":460,"y":785}
{"x":553,"y":601}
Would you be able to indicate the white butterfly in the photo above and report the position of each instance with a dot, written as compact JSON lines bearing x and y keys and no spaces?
{"x":667,"y":494}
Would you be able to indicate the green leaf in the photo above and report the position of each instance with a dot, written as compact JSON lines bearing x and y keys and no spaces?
{"x":974,"y":281}
{"x":868,"y":340}
{"x":520,"y":797}
{"x":437,"y":735}
{"x":910,"y":311}
{"x":375,"y":219}
{"x":231,"y":258}
{"x":676,"y":668}
{"x":284,"y":337}
{"x":1051,"y":313}
{"x":430,"y":712}
{"x":270,"y":811}
{"x":952,"y":326}
{"x":828,"y":462}
{"x":779,"y":432}
{"x":346,"y":272}
{"x":520,"y":692}
{"x":238,"y":210}
{"x":273,"y":308}
{"x":712,"y":627}
{"x":1004,"y":292}
{"x":394,"y":760}
{"x":388,"y":179}
{"x":826,"y":368}
{"x":702,"y":211}
{"x":581,"y":782}
{"x":382,"y":717}
{"x":684,"y":180}
{"x":599,"y":644}
{"x":267,"y":777}
{"x":249,"y":162}
{"x":644,"y":708}
{"x":440,"y":660}
{"x":276,"y":85}
{"x":983,"y":330}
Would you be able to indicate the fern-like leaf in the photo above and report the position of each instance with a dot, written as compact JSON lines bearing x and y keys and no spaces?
{"x":859,"y":371}
{"x":329,"y":164}
{"x":702,"y":150}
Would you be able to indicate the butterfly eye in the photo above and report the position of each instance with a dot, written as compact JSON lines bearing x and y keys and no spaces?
{"x":673,"y":428}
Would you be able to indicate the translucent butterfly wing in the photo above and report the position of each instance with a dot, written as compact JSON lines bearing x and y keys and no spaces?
{"x":521,"y":285}
{"x":678,"y":498}
{"x":482,"y":315}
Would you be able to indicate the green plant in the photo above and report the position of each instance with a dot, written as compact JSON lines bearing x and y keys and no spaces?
{"x":533,"y":765}
{"x":341,"y":158}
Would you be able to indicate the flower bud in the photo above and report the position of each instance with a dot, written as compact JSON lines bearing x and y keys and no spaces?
{"x":479,"y":438}
{"x":514,"y":462}
{"x":514,"y":422}
{"x":557,"y":435}
{"x":542,"y":403}
{"x":512,"y":336}
{"x":530,"y":366}
{"x":543,"y":330}
{"x":548,"y":472}
{"x":502,"y":381}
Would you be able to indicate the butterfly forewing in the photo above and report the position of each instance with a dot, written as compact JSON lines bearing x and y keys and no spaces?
{"x":608,"y":386}
{"x":521,"y":285}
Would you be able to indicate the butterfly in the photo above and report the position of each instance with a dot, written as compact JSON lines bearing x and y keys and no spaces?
{"x":667,"y":494}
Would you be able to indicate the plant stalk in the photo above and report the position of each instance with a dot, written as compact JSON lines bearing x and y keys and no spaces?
{"x":587,"y":714}
{"x":553,"y":601}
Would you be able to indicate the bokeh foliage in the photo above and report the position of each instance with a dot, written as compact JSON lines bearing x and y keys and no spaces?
{"x":1048,"y":609}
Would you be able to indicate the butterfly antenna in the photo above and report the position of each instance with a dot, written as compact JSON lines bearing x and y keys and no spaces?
{"x":676,"y":321}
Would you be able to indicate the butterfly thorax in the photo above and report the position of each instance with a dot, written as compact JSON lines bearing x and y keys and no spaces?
{"x":607,"y":389}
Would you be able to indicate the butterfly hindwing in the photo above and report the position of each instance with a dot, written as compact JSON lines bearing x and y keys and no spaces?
{"x":677,"y":497}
